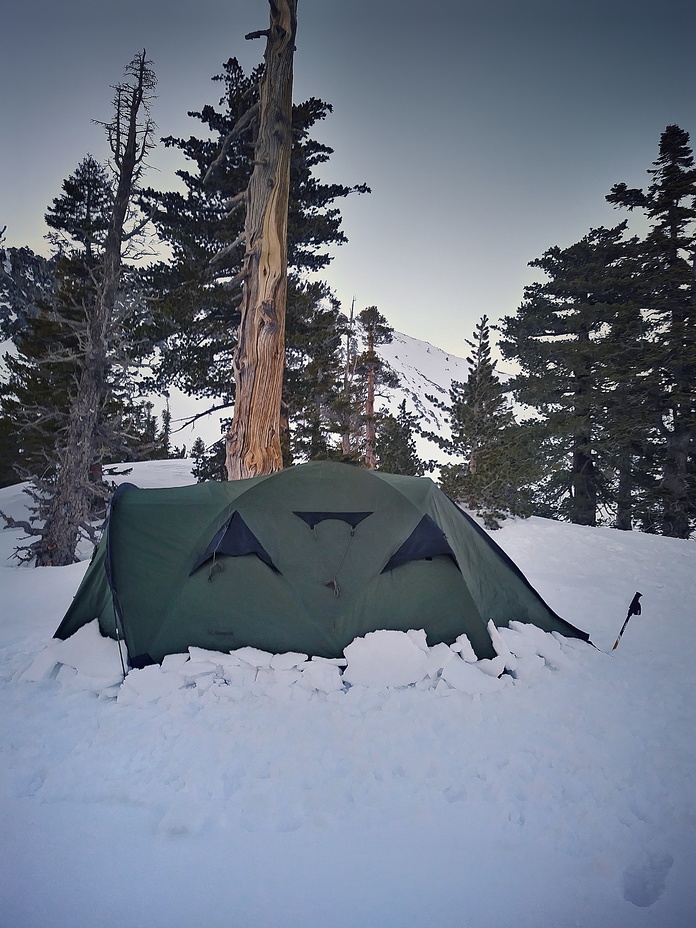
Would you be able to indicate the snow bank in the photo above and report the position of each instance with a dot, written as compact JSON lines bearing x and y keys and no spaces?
{"x":267,"y":790}
{"x":380,"y":659}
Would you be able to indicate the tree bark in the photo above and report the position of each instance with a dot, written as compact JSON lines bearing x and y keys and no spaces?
{"x":253,"y":440}
{"x":70,"y":505}
{"x":583,"y":507}
{"x":370,"y":429}
{"x":624,"y":494}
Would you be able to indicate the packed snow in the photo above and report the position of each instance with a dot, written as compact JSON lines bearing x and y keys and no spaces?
{"x":405,"y":785}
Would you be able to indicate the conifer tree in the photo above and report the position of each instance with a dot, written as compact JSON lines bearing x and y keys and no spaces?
{"x":313,"y":375}
{"x":497,"y":467}
{"x":366,"y":376}
{"x":92,"y":309}
{"x":44,"y":368}
{"x":26,"y":281}
{"x":396,"y":445}
{"x":668,"y":256}
{"x":204,"y":228}
{"x":27,"y":284}
{"x":376,"y":332}
{"x":563,"y":337}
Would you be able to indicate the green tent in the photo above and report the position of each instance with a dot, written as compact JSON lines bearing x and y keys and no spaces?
{"x":304,"y":560}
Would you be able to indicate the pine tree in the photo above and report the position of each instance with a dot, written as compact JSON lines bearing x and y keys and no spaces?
{"x":89,"y":314}
{"x":79,"y":218}
{"x":396,"y":445}
{"x":366,"y":377}
{"x":204,"y":225}
{"x":313,"y":375}
{"x":26,"y":281}
{"x":44,"y":368}
{"x":376,"y":331}
{"x":564,"y":337}
{"x":496,"y":470}
{"x":668,"y":257}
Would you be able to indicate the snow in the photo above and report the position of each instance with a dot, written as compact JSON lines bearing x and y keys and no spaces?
{"x":402,"y":787}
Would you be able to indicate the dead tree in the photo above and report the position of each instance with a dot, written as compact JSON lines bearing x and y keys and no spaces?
{"x":67,"y":511}
{"x":253,"y":443}
{"x":371,"y":363}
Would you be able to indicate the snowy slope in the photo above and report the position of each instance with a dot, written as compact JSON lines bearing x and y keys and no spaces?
{"x":423,"y":369}
{"x":563,"y":798}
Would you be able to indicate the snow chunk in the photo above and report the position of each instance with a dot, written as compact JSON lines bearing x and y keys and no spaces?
{"x":419,"y":638}
{"x":528,"y":666}
{"x":467,"y":678}
{"x":254,"y":657}
{"x":385,"y":658}
{"x":173,"y":662}
{"x":439,"y":656}
{"x":43,"y":664}
{"x":544,"y":644}
{"x":463,"y":647}
{"x":321,"y":675}
{"x":148,"y":684}
{"x":493,"y":666}
{"x":88,"y":651}
{"x":92,"y":659}
{"x":287,"y":661}
{"x":501,"y":649}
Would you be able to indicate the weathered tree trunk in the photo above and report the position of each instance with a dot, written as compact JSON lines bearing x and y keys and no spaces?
{"x":370,"y":429}
{"x":70,"y":505}
{"x":584,"y":482}
{"x":583,"y":507}
{"x":674,"y":486}
{"x":253,"y":440}
{"x":624,"y":494}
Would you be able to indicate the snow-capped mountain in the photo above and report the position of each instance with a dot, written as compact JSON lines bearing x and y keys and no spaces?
{"x":424,"y":371}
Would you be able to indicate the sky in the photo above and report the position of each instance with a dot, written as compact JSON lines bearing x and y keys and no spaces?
{"x":488,"y":132}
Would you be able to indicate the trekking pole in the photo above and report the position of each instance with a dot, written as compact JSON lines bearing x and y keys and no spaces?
{"x":633,"y":609}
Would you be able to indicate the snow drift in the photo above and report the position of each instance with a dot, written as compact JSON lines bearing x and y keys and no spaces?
{"x":410,"y":787}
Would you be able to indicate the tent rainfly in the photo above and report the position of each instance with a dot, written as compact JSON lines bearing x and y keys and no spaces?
{"x":303,"y":560}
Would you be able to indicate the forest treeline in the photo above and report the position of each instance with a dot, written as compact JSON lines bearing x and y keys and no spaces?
{"x":598,"y":425}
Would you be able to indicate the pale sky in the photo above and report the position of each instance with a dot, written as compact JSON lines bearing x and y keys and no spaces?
{"x":488,"y":131}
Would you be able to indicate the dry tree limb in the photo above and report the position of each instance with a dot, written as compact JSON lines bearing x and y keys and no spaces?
{"x":242,"y":123}
{"x":227,"y":250}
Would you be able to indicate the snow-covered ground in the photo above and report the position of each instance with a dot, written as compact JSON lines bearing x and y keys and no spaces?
{"x":231,"y":793}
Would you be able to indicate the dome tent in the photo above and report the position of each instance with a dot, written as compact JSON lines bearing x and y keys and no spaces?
{"x":303,"y":560}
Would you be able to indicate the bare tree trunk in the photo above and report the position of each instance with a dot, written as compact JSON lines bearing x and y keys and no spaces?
{"x":348,"y":373}
{"x":583,"y":507}
{"x":624,"y":493}
{"x":253,"y":440}
{"x":370,"y":429}
{"x":70,"y":504}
